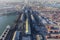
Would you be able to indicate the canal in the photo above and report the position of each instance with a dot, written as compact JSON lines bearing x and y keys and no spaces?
{"x":6,"y":20}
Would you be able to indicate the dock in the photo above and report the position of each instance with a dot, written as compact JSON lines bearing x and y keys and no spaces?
{"x":29,"y":26}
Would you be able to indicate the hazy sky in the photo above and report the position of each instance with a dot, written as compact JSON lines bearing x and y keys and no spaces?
{"x":10,"y":0}
{"x":22,"y":0}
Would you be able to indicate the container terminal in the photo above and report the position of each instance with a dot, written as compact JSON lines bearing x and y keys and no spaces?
{"x":32,"y":25}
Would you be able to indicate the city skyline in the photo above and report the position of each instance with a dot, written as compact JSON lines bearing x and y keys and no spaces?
{"x":29,"y":0}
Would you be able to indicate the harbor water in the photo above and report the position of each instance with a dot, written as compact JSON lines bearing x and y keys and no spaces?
{"x":6,"y":20}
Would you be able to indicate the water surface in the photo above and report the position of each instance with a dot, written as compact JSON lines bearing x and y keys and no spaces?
{"x":6,"y":20}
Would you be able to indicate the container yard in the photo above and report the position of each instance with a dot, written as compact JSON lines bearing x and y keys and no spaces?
{"x":33,"y":21}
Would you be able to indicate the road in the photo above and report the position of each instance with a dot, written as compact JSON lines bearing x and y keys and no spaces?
{"x":53,"y":39}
